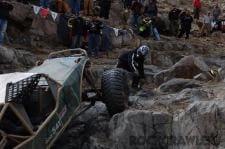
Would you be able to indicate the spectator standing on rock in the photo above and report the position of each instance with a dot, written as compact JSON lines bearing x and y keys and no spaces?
{"x":185,"y":22}
{"x":206,"y":28}
{"x":104,"y":8}
{"x":44,"y":3}
{"x":88,"y":7}
{"x":75,"y":6}
{"x":136,"y":14}
{"x":94,"y":33}
{"x":151,"y":8}
{"x":174,"y":20}
{"x":62,"y":6}
{"x":106,"y":43}
{"x":134,"y":61}
{"x":5,"y":8}
{"x":78,"y":26}
{"x":197,"y":8}
{"x":216,"y":12}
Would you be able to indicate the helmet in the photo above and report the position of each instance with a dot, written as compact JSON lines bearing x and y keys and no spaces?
{"x":143,"y":50}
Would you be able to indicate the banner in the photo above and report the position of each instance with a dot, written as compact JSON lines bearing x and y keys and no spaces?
{"x":54,"y":15}
{"x":116,"y":31}
{"x":36,"y":9}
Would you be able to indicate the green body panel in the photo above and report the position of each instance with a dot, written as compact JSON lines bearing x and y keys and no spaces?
{"x":67,"y":71}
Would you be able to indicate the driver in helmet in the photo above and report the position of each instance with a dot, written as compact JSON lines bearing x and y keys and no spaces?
{"x":133,"y":61}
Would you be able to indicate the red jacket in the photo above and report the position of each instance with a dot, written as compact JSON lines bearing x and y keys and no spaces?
{"x":197,"y":4}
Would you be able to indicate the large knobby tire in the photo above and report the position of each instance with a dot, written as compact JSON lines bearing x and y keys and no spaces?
{"x":115,"y":90}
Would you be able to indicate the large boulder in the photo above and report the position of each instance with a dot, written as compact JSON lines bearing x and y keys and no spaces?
{"x":186,"y":68}
{"x":201,"y":126}
{"x":140,"y":129}
{"x":15,"y":60}
{"x":87,"y":130}
{"x":178,"y":84}
{"x":21,"y":12}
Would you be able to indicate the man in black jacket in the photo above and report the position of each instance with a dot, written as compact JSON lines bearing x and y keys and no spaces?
{"x":105,"y":8}
{"x":5,"y":8}
{"x":174,"y":20}
{"x":134,"y":61}
{"x":186,"y":20}
{"x":94,"y":33}
{"x":78,"y":30}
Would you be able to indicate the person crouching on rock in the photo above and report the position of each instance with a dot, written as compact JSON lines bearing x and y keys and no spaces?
{"x":134,"y":61}
{"x":185,"y":22}
{"x":5,"y":8}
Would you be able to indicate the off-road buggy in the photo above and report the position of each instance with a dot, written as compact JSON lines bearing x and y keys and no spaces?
{"x":36,"y":106}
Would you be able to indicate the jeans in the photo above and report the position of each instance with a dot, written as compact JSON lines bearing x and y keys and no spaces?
{"x":135,"y":21}
{"x":75,"y":5}
{"x":106,"y":42}
{"x":3,"y":27}
{"x":154,"y":32}
{"x":93,"y":43}
{"x":76,"y":41}
{"x":44,"y":3}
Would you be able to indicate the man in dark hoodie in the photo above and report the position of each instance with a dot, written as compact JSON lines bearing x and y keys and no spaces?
{"x":105,"y":8}
{"x":185,"y":20}
{"x":5,"y":8}
{"x":174,"y":20}
{"x":94,"y":33}
{"x":134,"y":61}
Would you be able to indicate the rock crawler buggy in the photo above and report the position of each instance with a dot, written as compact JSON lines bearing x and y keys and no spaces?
{"x":36,"y":106}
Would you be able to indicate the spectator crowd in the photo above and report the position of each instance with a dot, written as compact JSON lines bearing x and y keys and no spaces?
{"x":89,"y":28}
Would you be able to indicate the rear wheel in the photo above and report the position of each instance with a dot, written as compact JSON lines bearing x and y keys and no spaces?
{"x":115,"y":90}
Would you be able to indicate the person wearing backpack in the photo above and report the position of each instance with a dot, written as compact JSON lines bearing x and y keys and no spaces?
{"x":174,"y":20}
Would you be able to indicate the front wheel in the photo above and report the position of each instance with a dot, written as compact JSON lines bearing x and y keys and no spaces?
{"x":115,"y":90}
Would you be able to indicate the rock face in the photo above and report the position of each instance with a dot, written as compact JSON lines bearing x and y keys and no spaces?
{"x":140,"y":129}
{"x":193,"y":123}
{"x":15,"y":60}
{"x":176,"y":85}
{"x":186,"y":68}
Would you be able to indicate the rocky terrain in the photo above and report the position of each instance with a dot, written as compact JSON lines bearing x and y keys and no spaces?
{"x":181,"y":105}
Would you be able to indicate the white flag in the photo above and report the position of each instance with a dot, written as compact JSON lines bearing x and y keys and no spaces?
{"x":116,"y":30}
{"x":54,"y":15}
{"x":36,"y":9}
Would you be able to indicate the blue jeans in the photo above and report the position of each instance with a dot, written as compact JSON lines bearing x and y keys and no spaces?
{"x":44,"y":3}
{"x":135,"y":21}
{"x":107,"y":39}
{"x":154,"y":32}
{"x":3,"y":27}
{"x":93,"y":43}
{"x":75,"y":5}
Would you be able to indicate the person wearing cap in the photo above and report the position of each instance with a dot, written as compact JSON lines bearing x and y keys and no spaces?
{"x":133,"y":61}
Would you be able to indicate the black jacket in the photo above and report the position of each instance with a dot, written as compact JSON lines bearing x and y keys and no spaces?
{"x":186,"y":21}
{"x":174,"y":14}
{"x":78,"y":26}
{"x":95,"y":27}
{"x":5,"y":8}
{"x":131,"y":62}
